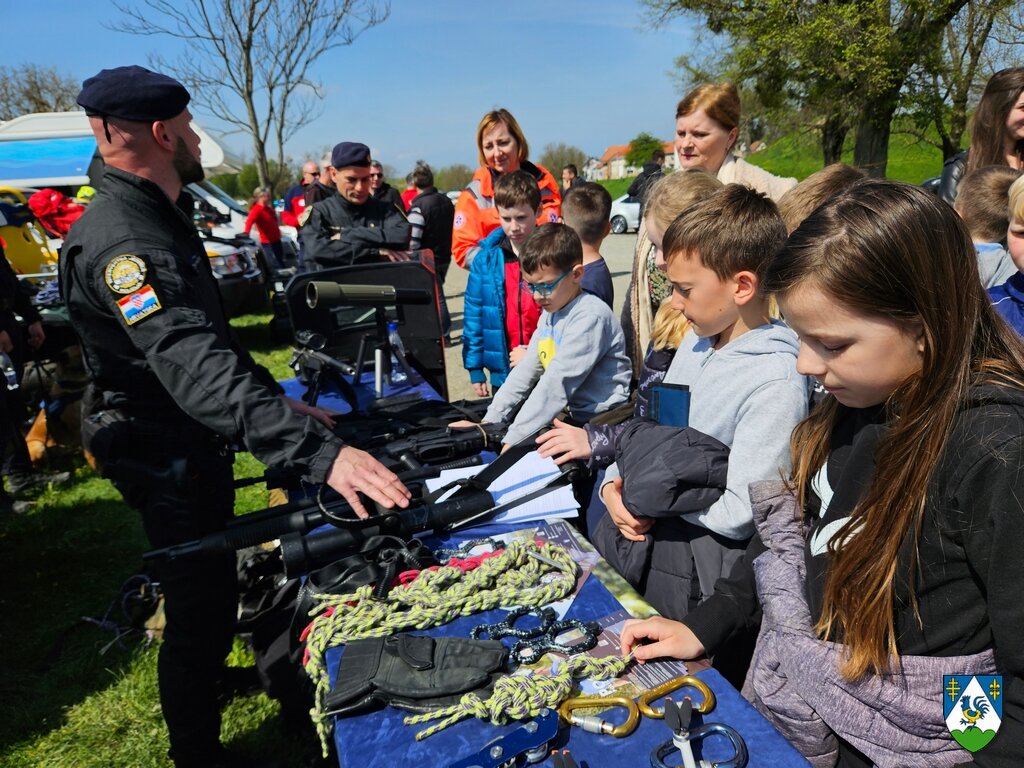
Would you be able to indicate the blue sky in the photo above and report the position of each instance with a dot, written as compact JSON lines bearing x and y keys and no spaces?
{"x":584,"y":72}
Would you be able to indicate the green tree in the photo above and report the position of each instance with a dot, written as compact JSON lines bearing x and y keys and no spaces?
{"x":34,"y":88}
{"x":229,"y":183}
{"x":941,"y":90}
{"x":247,"y":62}
{"x":452,"y":177}
{"x":640,"y":149}
{"x":856,"y":55}
{"x":557,"y":156}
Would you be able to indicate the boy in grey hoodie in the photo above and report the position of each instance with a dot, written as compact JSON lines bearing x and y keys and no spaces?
{"x":576,"y":360}
{"x":740,"y":367}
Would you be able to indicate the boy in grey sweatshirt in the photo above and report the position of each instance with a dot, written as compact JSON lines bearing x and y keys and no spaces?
{"x":740,"y":367}
{"x":576,"y":360}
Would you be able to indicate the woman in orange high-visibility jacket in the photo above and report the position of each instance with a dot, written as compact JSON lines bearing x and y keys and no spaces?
{"x":502,"y":148}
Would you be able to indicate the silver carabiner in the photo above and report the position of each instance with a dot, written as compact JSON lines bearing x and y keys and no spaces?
{"x":701,"y":732}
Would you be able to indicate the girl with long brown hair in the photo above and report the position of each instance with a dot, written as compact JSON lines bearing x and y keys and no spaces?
{"x":997,"y":132}
{"x":892,"y":556}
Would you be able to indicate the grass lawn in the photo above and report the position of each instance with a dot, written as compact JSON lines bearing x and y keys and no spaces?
{"x":69,"y":697}
{"x":617,"y":187}
{"x":799,"y":155}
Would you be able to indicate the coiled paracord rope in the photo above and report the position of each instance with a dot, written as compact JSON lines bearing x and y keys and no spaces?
{"x":519,"y":576}
{"x":520,"y":697}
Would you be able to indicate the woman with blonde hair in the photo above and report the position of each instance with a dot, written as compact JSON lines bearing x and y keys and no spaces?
{"x":707,"y":127}
{"x":648,"y":286}
{"x":263,"y":216}
{"x":501,"y":148}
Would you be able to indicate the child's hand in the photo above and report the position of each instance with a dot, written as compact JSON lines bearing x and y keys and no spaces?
{"x":480,"y":388}
{"x":671,"y":639}
{"x":565,"y":442}
{"x":630,"y":527}
{"x":516,"y":355}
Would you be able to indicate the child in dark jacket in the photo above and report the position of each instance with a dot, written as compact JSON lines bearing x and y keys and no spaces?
{"x":499,"y":315}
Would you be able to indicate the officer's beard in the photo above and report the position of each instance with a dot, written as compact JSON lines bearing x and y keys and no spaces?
{"x":189,"y":169}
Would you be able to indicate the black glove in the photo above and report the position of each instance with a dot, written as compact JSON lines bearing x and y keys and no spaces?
{"x":413,"y":672}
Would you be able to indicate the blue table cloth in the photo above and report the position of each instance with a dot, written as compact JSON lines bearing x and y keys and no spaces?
{"x":381,"y":738}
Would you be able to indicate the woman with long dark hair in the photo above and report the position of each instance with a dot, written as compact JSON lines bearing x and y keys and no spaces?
{"x":997,"y":132}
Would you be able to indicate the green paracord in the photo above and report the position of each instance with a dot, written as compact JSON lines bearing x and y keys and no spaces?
{"x":526,"y":573}
{"x":519,"y":697}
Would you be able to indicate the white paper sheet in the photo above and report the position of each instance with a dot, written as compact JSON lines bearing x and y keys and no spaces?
{"x":528,"y":474}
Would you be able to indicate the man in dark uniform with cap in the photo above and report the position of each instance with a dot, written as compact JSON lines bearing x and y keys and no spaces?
{"x":351,"y":226}
{"x":172,"y":391}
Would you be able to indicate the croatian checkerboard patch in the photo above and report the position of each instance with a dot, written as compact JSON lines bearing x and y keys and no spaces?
{"x":139,"y":305}
{"x":125,"y":273}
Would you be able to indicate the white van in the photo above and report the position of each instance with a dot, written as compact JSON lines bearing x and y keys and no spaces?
{"x":58,"y":150}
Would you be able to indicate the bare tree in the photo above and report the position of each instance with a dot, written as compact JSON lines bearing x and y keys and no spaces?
{"x":557,"y":156}
{"x":33,"y":88}
{"x":247,"y":62}
{"x":942,"y":89}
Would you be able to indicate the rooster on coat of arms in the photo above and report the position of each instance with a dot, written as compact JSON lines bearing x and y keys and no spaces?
{"x":971,"y":716}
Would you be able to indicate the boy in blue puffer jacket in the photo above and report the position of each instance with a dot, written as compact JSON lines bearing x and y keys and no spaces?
{"x":499,"y":315}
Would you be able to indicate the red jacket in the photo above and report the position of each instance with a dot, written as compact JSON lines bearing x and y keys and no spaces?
{"x":408,"y":196}
{"x":522,"y":312}
{"x":476,"y":217}
{"x":265,"y":220}
{"x":55,"y":210}
{"x":294,"y":206}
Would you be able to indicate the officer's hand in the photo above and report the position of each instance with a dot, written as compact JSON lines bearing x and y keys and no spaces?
{"x":305,"y":409}
{"x":462,"y":424}
{"x":396,"y":255}
{"x":5,"y":342}
{"x":36,"y":335}
{"x":354,"y":470}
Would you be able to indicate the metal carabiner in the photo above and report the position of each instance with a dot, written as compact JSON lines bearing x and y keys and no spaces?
{"x":682,"y":742}
{"x":595,"y":724}
{"x":685,"y":681}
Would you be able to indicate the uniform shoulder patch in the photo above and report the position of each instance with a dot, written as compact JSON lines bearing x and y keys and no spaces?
{"x":125,"y":273}
{"x":304,"y":216}
{"x":139,"y":305}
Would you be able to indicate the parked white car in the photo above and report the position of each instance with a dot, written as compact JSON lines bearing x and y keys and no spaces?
{"x":625,"y":215}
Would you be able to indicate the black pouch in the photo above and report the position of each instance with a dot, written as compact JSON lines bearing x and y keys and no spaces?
{"x":415,"y":673}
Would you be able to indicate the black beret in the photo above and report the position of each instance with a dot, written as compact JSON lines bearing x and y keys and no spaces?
{"x":350,"y":153}
{"x":133,"y":93}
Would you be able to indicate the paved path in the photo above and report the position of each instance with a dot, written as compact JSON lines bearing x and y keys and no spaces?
{"x":617,"y":251}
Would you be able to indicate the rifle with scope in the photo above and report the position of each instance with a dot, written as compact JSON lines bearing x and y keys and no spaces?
{"x":289,"y":522}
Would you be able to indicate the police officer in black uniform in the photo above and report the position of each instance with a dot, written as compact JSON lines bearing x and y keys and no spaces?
{"x":172,"y":392}
{"x":351,"y":226}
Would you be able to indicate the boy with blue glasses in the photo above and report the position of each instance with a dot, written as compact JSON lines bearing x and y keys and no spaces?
{"x":576,"y":362}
